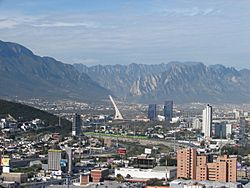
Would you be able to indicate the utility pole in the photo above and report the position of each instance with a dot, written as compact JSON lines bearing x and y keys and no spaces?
{"x":134,"y":129}
{"x":174,"y":141}
{"x":59,"y":120}
{"x":68,"y":180}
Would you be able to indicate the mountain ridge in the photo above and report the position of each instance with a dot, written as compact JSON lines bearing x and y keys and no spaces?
{"x":180,"y":81}
{"x":24,"y":74}
{"x":27,"y":75}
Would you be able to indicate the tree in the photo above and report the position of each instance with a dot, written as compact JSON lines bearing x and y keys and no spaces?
{"x":128,"y":176}
{"x":202,"y":144}
{"x":119,"y":178}
{"x":155,"y":182}
{"x":171,"y":162}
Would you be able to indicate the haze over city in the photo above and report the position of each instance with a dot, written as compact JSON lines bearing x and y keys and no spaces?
{"x":122,"y":32}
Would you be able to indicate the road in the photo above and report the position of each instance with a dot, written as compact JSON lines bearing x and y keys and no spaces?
{"x":144,"y":142}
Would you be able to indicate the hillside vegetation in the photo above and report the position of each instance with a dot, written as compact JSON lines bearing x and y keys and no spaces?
{"x":24,"y":113}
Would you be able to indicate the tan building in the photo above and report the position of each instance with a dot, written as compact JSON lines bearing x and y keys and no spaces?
{"x":99,"y":175}
{"x":231,"y":167}
{"x":191,"y":166}
{"x":186,"y":163}
{"x":201,"y":168}
{"x":217,"y":171}
{"x":15,"y":177}
{"x":84,"y":178}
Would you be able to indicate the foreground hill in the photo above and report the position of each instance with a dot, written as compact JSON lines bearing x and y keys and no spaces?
{"x":24,"y":113}
{"x":26,"y":75}
{"x":182,"y":82}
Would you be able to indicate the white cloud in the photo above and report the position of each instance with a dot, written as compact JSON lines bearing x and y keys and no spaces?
{"x":147,"y":35}
{"x":18,"y":20}
{"x":7,"y":24}
{"x":87,"y":61}
{"x":67,"y":24}
{"x":43,"y":21}
{"x":195,"y":11}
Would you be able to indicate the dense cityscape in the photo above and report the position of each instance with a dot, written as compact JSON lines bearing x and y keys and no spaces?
{"x":159,"y":145}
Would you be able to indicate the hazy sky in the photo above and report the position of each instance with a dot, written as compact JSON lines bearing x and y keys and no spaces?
{"x":140,"y":31}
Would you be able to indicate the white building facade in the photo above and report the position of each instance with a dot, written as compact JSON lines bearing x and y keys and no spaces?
{"x":207,"y":121}
{"x":166,"y":173}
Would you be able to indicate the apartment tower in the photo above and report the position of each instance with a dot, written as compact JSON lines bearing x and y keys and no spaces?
{"x":168,"y":110}
{"x":54,"y":159}
{"x":186,"y":163}
{"x":76,"y":125}
{"x":207,"y":122}
{"x":152,"y":113}
{"x":196,"y":167}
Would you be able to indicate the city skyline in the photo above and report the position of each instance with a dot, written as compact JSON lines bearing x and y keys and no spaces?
{"x":118,"y":32}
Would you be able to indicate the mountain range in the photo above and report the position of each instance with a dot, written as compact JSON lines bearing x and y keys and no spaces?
{"x":27,"y":75}
{"x":182,"y":82}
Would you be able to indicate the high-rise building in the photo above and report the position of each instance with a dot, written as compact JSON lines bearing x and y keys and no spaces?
{"x":152,"y":113}
{"x":242,"y":130}
{"x":197,"y":123}
{"x":236,"y":114}
{"x":197,"y":167}
{"x":229,"y":130}
{"x":223,"y":169}
{"x":76,"y":125}
{"x":54,"y":159}
{"x":69,"y":157}
{"x":168,"y":110}
{"x":201,"y":168}
{"x":231,"y":167}
{"x":207,"y":121}
{"x":220,"y":130}
{"x":186,"y":163}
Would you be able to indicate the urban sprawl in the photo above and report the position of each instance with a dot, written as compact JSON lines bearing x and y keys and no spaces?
{"x":157,"y":145}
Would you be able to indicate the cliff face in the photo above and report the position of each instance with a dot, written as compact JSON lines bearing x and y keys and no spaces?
{"x":183,"y":82}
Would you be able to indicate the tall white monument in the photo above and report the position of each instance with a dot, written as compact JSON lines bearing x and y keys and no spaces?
{"x":118,"y":115}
